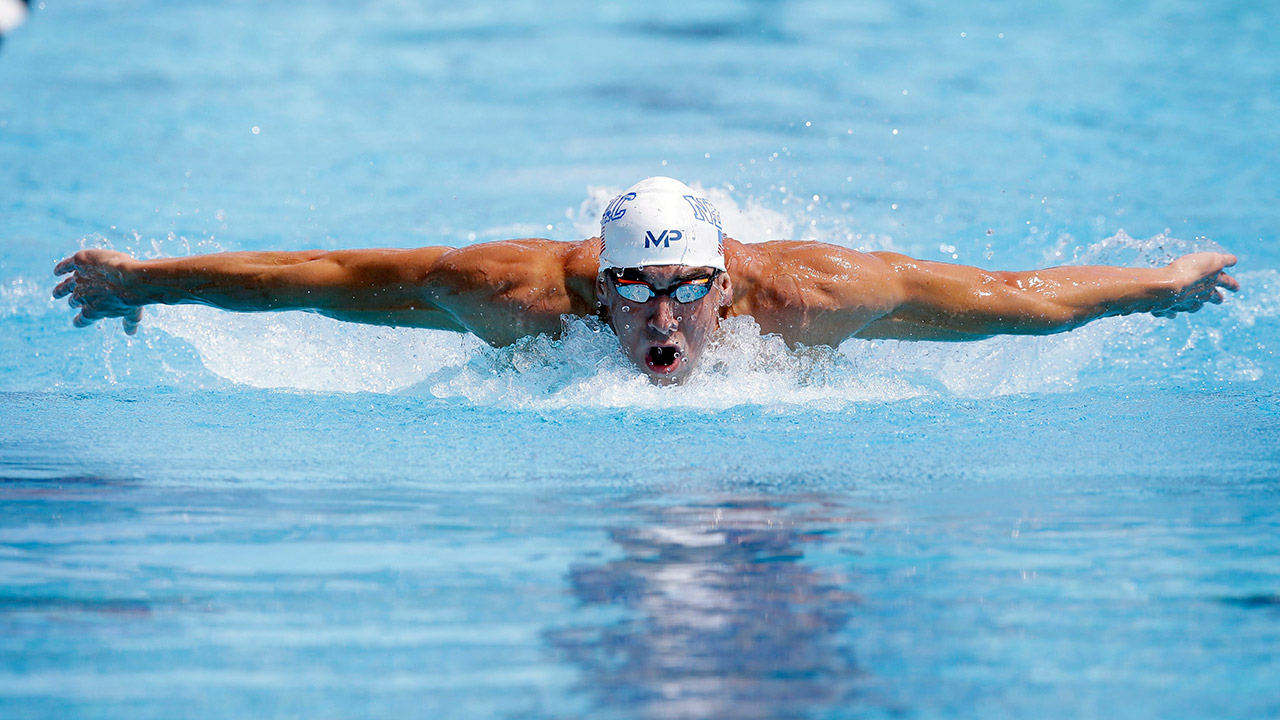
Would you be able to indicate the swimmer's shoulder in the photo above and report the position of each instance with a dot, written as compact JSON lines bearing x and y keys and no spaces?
{"x":781,"y":277}
{"x":539,"y":257}
{"x":773,"y":258}
{"x":512,"y":266}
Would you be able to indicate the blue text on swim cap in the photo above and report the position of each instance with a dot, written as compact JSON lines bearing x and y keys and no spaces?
{"x":703,"y":210}
{"x":615,"y":209}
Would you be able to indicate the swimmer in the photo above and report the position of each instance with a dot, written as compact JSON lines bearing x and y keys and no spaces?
{"x":662,"y":274}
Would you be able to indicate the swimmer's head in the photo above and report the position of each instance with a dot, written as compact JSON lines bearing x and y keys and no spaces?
{"x":660,"y":221}
{"x":662,"y":284}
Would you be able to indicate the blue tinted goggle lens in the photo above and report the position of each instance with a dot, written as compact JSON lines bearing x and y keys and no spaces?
{"x":635,"y":293}
{"x":688,"y":292}
{"x":685,"y":292}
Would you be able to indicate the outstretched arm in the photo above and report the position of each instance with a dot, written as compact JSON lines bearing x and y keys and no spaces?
{"x":938,"y":301}
{"x":373,"y":286}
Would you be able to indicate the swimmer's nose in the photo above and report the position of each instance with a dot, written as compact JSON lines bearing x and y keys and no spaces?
{"x":664,"y":316}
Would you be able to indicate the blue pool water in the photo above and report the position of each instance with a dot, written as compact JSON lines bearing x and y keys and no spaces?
{"x":278,"y":515}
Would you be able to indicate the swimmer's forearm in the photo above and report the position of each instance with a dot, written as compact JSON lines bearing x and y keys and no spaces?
{"x":1064,"y":298}
{"x":240,"y":281}
{"x":1089,"y":293}
{"x":384,"y":287}
{"x":345,"y":280}
{"x":956,"y":302}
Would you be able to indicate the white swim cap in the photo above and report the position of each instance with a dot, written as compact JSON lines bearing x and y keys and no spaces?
{"x":661,"y":221}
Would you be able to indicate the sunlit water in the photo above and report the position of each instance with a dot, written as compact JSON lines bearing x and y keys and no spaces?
{"x":279,"y":515}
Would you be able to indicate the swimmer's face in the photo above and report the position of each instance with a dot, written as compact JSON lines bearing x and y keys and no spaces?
{"x":663,"y":336}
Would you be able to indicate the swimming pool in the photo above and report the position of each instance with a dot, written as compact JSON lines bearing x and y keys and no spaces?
{"x":279,"y":515}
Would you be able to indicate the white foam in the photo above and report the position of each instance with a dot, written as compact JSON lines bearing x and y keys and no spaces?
{"x":1157,"y":250}
{"x":586,"y":368}
{"x":310,"y":352}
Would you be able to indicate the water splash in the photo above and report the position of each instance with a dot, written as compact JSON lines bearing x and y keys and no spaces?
{"x":310,"y":352}
{"x":586,"y":368}
{"x":1157,"y":250}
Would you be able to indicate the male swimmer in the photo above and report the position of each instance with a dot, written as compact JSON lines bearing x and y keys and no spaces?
{"x":661,"y":273}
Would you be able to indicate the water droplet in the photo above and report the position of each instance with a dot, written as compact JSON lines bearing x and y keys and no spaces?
{"x":626,"y":308}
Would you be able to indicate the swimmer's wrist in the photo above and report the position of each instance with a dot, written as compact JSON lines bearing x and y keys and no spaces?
{"x":147,"y":284}
{"x":1163,"y":284}
{"x":1153,"y":288}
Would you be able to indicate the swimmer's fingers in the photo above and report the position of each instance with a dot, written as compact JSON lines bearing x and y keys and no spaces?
{"x":1228,"y":282}
{"x":65,"y":265}
{"x":87,"y":259}
{"x":131,"y":321}
{"x":1197,"y":279}
{"x":65,"y":287}
{"x":92,"y":313}
{"x":1190,"y":304}
{"x":98,"y":283}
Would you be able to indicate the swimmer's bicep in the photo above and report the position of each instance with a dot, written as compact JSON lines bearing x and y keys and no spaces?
{"x":419,"y":288}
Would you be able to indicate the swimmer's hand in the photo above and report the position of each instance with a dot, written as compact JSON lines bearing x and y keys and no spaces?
{"x":100,"y":285}
{"x":1193,"y":281}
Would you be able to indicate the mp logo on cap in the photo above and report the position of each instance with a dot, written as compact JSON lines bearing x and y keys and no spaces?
{"x":665,"y":239}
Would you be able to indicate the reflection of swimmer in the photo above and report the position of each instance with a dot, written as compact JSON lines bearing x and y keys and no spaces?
{"x":12,"y":13}
{"x":662,"y":273}
{"x":723,"y":619}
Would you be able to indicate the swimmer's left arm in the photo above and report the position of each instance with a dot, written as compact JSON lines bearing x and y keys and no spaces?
{"x":939,"y":301}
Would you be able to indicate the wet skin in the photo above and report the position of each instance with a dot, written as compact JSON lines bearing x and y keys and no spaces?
{"x":663,"y":336}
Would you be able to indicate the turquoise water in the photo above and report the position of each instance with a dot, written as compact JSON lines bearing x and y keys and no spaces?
{"x":278,"y":515}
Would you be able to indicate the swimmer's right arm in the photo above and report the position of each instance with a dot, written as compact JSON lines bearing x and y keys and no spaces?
{"x":385,"y":287}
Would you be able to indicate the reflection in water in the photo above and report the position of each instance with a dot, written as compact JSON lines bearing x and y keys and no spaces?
{"x":722,"y":618}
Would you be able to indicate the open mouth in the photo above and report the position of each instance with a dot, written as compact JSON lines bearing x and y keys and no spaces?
{"x":662,"y":358}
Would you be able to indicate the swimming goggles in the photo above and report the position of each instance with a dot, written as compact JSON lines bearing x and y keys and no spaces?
{"x":685,"y":292}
